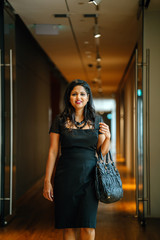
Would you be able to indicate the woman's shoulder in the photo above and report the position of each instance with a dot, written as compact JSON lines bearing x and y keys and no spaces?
{"x":57,"y":117}
{"x":56,"y":124}
{"x":98,"y":118}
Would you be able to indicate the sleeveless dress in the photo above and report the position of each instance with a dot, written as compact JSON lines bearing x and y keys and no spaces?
{"x":74,"y":182}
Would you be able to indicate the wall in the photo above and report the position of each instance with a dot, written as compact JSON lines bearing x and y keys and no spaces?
{"x":152,"y":41}
{"x":37,"y":97}
{"x":126,"y":119}
{"x":120,"y":123}
{"x":129,"y":92}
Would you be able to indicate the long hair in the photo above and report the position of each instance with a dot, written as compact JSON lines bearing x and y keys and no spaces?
{"x":69,"y":111}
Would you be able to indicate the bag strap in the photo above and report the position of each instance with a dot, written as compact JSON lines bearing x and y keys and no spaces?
{"x":108,"y":155}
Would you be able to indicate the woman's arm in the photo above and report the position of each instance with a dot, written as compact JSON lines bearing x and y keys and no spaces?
{"x":104,"y":138}
{"x":52,"y":155}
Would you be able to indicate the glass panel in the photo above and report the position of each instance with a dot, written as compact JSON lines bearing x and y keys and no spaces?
{"x":9,"y":31}
{"x":140,"y":125}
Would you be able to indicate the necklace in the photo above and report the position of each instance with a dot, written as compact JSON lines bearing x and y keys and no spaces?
{"x":77,"y":124}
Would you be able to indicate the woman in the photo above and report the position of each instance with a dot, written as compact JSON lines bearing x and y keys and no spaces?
{"x":80,"y":132}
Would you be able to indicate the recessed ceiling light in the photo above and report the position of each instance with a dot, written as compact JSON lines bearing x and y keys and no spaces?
{"x":95,"y":80}
{"x":87,"y":52}
{"x":98,"y":58}
{"x":97,"y":35}
{"x":100,"y":90}
{"x":96,"y":32}
{"x":99,"y":67}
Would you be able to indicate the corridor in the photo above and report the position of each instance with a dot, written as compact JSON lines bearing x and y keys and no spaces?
{"x":35,"y":218}
{"x":113,"y":46}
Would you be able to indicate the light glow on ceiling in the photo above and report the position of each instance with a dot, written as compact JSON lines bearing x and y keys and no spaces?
{"x":46,"y":29}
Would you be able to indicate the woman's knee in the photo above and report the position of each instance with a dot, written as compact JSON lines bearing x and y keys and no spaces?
{"x":88,"y":231}
{"x":68,"y":230}
{"x":69,"y":234}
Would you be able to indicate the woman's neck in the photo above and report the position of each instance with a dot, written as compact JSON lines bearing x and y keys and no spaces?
{"x":79,"y":115}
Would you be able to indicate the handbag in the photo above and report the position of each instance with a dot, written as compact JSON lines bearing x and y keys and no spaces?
{"x":108,"y":182}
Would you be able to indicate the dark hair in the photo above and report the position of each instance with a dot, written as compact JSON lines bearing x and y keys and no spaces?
{"x":69,"y":111}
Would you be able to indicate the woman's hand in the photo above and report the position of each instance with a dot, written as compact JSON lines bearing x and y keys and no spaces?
{"x":48,"y":190}
{"x":104,"y":128}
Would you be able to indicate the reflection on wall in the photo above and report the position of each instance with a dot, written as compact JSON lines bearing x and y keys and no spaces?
{"x":38,"y":97}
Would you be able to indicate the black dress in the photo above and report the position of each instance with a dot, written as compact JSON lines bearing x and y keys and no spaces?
{"x":74,"y":190}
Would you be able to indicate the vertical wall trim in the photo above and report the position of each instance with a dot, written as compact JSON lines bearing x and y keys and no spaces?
{"x":2,"y":160}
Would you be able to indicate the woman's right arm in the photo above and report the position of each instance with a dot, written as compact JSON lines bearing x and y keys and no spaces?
{"x":52,"y":155}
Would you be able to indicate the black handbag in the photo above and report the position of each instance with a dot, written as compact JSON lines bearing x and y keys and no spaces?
{"x":108,"y":182}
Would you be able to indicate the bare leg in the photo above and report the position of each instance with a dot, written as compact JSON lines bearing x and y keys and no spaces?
{"x":69,"y":234}
{"x":87,"y":234}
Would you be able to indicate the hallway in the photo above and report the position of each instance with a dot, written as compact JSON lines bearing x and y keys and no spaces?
{"x":34,"y":220}
{"x":43,"y":47}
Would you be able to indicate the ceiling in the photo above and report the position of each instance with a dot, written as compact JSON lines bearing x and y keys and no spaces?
{"x":73,"y":47}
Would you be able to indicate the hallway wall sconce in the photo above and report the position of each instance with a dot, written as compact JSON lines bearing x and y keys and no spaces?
{"x":95,"y":2}
{"x":96,"y":32}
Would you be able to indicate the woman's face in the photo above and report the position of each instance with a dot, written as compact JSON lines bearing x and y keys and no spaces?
{"x":79,"y":97}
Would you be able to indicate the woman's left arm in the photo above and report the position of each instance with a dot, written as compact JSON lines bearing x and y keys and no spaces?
{"x":104,"y":138}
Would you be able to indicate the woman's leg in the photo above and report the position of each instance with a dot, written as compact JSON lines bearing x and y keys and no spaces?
{"x":87,"y":234}
{"x":69,"y":234}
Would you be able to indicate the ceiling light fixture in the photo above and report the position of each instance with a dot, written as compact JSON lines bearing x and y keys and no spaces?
{"x":95,"y":80}
{"x":98,"y":58}
{"x":99,"y":67}
{"x":87,"y":52}
{"x":96,"y":2}
{"x":100,"y":90}
{"x":97,"y":33}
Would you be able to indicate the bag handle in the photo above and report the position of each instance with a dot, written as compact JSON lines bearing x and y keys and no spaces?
{"x":108,"y":155}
